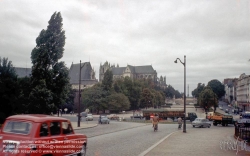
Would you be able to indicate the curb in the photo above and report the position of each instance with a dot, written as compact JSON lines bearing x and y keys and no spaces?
{"x":85,"y":127}
{"x":156,"y":144}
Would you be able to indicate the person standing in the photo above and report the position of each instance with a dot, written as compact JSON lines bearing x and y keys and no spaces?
{"x":179,"y":122}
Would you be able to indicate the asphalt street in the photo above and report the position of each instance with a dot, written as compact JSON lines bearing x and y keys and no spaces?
{"x":127,"y":142}
{"x":127,"y":138}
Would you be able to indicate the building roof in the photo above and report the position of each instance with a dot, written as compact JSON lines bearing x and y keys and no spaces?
{"x":147,"y":69}
{"x":23,"y":72}
{"x":118,"y":70}
{"x":74,"y":73}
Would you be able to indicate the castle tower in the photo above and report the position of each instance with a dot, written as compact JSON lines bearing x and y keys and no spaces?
{"x":103,"y":69}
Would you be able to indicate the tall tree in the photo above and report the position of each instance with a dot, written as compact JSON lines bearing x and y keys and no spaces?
{"x":24,"y":92}
{"x":198,"y":90}
{"x":69,"y":102}
{"x":207,"y":98}
{"x":118,"y":102}
{"x":217,"y":87}
{"x":8,"y":91}
{"x":94,"y":98}
{"x":170,"y":92}
{"x":132,"y":90}
{"x":146,"y":98}
{"x":107,"y":80}
{"x":49,"y":80}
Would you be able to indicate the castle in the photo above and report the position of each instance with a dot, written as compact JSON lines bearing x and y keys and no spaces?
{"x":134,"y":72}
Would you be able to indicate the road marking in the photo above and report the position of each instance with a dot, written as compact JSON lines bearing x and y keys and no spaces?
{"x":156,"y":144}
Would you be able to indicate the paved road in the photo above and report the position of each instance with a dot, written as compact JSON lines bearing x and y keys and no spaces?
{"x":114,"y":126}
{"x":127,"y":142}
{"x":214,"y":141}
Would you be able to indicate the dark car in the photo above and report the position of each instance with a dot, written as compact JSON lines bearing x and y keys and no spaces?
{"x":104,"y":119}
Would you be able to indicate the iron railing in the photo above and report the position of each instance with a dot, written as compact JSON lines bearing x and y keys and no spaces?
{"x":242,"y":130}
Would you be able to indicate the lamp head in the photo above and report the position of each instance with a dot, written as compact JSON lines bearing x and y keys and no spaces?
{"x":175,"y":61}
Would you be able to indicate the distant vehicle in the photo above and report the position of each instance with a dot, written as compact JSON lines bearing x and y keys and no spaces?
{"x":223,"y":119}
{"x":113,"y":117}
{"x":35,"y":134}
{"x":201,"y":122}
{"x":83,"y":114}
{"x":191,"y":116}
{"x":221,"y":108}
{"x":89,"y":117}
{"x":226,"y":110}
{"x":245,"y":115}
{"x":104,"y":119}
{"x":136,"y":116}
{"x":164,"y":114}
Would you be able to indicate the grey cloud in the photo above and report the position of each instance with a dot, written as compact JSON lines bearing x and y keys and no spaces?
{"x":214,"y":35}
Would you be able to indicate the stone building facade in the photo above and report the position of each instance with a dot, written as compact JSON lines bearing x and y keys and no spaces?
{"x":133,"y":72}
{"x":242,"y":91}
{"x":88,"y":79}
{"x":230,"y":90}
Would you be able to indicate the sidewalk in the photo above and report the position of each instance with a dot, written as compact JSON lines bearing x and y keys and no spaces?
{"x":198,"y":141}
{"x":82,"y":125}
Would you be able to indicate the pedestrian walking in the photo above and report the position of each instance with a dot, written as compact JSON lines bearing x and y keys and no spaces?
{"x":179,"y":122}
{"x":155,"y":121}
{"x":60,"y":111}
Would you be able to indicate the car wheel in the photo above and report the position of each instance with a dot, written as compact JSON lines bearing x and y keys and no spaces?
{"x":193,"y":125}
{"x":108,"y":122}
{"x":83,"y":151}
{"x":209,"y":126}
{"x":201,"y":126}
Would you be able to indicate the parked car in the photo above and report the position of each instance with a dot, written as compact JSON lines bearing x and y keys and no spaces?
{"x":136,"y":116}
{"x":83,"y":114}
{"x":201,"y":122}
{"x":113,"y":117}
{"x":35,"y":134}
{"x":89,"y":117}
{"x":104,"y":119}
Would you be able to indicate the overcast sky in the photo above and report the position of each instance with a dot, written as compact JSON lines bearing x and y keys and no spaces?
{"x":213,"y":34}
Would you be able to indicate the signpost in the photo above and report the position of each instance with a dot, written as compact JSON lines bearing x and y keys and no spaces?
{"x":65,"y":109}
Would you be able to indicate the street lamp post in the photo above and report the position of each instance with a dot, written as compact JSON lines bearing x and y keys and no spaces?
{"x":184,"y":64}
{"x":79,"y":117}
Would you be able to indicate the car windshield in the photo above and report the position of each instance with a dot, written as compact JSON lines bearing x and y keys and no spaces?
{"x":17,"y":127}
